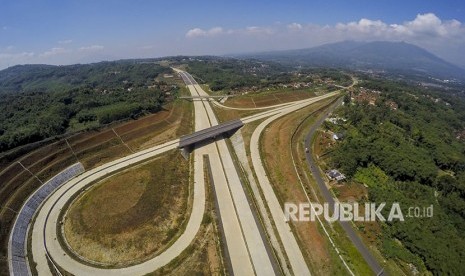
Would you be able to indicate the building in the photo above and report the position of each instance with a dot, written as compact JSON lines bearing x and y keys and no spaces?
{"x":336,"y":120}
{"x":338,"y":136}
{"x":335,"y":175}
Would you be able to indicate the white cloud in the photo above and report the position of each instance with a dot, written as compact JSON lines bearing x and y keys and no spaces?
{"x":16,"y":55}
{"x":427,"y":24}
{"x":430,"y":24}
{"x":215,"y":31}
{"x":294,"y":26}
{"x":364,"y":25}
{"x":54,"y":52}
{"x":424,"y":25}
{"x":257,"y":30}
{"x":197,"y":32}
{"x":66,"y":41}
{"x":91,"y":48}
{"x":251,"y":30}
{"x":445,"y":38}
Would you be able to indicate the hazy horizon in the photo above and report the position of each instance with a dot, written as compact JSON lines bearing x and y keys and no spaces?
{"x":52,"y":32}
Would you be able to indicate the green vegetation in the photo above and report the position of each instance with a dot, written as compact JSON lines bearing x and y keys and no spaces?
{"x":231,"y":73}
{"x":41,"y":101}
{"x":228,"y":74}
{"x":103,"y":75}
{"x":411,"y":155}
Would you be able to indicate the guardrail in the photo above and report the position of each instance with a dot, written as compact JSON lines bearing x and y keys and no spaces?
{"x":18,"y":240}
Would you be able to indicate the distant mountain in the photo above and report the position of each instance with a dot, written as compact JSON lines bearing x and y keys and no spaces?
{"x":398,"y":57}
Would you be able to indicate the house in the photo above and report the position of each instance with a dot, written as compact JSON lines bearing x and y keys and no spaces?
{"x":338,"y":136}
{"x":335,"y":175}
{"x":336,"y":120}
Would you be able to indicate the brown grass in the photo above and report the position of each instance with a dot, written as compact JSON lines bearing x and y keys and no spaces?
{"x":275,"y":143}
{"x":204,"y":255}
{"x":225,"y":115}
{"x":133,"y":215}
{"x":268,"y":98}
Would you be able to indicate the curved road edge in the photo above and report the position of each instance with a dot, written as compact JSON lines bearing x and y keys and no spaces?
{"x":52,"y":205}
{"x":291,"y":247}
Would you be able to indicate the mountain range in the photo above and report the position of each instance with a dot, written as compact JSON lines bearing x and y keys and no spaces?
{"x":399,"y":57}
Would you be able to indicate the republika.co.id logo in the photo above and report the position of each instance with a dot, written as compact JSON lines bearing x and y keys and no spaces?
{"x":354,"y":212}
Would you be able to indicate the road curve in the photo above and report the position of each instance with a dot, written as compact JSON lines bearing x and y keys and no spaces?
{"x":44,"y":229}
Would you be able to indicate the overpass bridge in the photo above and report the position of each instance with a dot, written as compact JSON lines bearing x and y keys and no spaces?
{"x":205,"y":136}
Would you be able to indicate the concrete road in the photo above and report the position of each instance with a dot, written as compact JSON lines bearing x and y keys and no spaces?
{"x":44,"y":229}
{"x":291,"y":247}
{"x":247,"y":249}
{"x":246,"y":246}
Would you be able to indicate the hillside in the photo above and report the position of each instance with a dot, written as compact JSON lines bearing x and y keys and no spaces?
{"x":397,"y":57}
{"x":50,"y":78}
{"x":42,"y":101}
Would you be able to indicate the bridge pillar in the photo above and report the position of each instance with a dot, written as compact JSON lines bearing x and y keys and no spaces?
{"x":186,"y":151}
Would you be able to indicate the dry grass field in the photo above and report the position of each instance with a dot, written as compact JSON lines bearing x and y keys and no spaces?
{"x":276,"y":151}
{"x":268,"y":98}
{"x":133,"y":215}
{"x":205,"y":255}
{"x":257,"y":100}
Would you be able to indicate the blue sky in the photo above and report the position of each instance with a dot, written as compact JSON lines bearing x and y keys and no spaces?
{"x":64,"y":32}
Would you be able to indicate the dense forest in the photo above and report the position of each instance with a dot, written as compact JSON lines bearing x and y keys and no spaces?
{"x":413,"y":154}
{"x":42,"y":101}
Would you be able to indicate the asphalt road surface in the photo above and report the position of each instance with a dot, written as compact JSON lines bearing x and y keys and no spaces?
{"x":328,"y":197}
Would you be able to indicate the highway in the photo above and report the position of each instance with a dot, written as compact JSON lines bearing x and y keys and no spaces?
{"x":248,"y":250}
{"x":244,"y":241}
{"x":246,"y":247}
